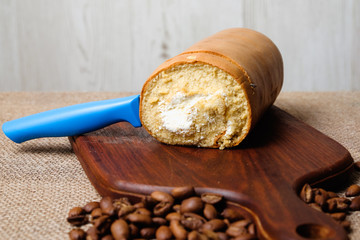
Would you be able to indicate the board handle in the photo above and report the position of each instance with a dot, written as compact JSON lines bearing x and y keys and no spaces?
{"x":74,"y":120}
{"x":288,"y":218}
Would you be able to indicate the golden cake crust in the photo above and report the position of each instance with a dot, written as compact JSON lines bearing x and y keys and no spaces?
{"x":248,"y":56}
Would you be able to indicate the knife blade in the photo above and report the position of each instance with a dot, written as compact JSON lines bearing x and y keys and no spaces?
{"x":74,"y":120}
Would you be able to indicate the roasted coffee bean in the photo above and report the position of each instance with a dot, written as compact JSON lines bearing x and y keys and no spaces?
{"x":92,"y":234}
{"x":340,"y":216}
{"x":107,"y":207}
{"x":159,"y":221}
{"x":222,"y":236}
{"x":139,"y":218}
{"x":148,"y":202}
{"x":77,"y":216}
{"x":195,"y":235}
{"x":96,"y":213}
{"x":352,"y":191}
{"x":210,"y":211}
{"x":238,"y":228}
{"x":143,"y":211}
{"x":78,"y":220}
{"x":162,"y":197}
{"x":339,"y":204}
{"x":76,"y":211}
{"x":147,"y":232}
{"x":178,"y":230}
{"x":77,"y":234}
{"x":162,"y":208}
{"x":231,"y":215}
{"x":321,"y":196}
{"x":108,"y":237}
{"x":215,"y":225}
{"x":210,"y":234}
{"x":125,"y":210}
{"x":173,"y":216}
{"x":102,"y":224}
{"x":192,"y":221}
{"x":163,"y":233}
{"x":355,"y":204}
{"x":192,"y":204}
{"x":120,"y":229}
{"x":211,"y":198}
{"x":182,"y":192}
{"x":134,"y":230}
{"x":91,"y":206}
{"x":307,"y":194}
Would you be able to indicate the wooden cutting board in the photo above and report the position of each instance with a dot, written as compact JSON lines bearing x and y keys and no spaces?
{"x":262,"y":176}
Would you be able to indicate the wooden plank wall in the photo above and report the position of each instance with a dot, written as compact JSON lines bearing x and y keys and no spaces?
{"x":114,"y":45}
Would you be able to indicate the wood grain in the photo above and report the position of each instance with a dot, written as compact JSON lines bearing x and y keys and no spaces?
{"x":262,"y":176}
{"x":115,"y":45}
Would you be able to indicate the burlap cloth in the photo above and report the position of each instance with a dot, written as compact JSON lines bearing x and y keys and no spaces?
{"x":41,"y":180}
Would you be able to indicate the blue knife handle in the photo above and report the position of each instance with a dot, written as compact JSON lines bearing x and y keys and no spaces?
{"x":74,"y":120}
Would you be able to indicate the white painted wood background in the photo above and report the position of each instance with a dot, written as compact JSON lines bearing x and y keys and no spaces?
{"x":114,"y":45}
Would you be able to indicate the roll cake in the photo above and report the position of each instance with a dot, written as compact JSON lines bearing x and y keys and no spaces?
{"x":213,"y":93}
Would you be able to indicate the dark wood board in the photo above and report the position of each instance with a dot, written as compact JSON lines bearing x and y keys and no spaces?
{"x":262,"y":176}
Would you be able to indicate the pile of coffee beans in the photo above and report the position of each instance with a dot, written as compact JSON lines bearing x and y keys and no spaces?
{"x":338,"y":207}
{"x":180,"y":214}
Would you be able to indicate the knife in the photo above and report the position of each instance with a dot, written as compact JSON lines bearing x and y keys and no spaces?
{"x":74,"y":120}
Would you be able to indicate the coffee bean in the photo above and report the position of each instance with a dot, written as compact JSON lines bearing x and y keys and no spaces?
{"x":192,"y":204}
{"x":173,"y":216}
{"x":139,"y":218}
{"x":352,"y":191}
{"x":76,"y":211}
{"x":315,"y":206}
{"x":92,"y":234}
{"x":211,"y":198}
{"x":182,"y":192}
{"x":163,"y":233}
{"x":332,"y":194}
{"x":91,"y":206}
{"x":143,"y":211}
{"x":178,"y":230}
{"x":162,"y":208}
{"x":307,"y":194}
{"x":238,"y":228}
{"x":355,"y":204}
{"x":214,"y":225}
{"x":77,"y":234}
{"x":120,"y":229}
{"x":147,"y":232}
{"x":157,"y":216}
{"x":192,"y":221}
{"x":321,"y":196}
{"x":134,"y":230}
{"x":96,"y":213}
{"x":77,"y":216}
{"x":231,"y":215}
{"x":340,"y":216}
{"x":102,"y":224}
{"x":108,"y":237}
{"x":159,"y":221}
{"x":162,"y":197}
{"x":125,"y":210}
{"x":222,"y":236}
{"x":107,"y":207}
{"x":339,"y":204}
